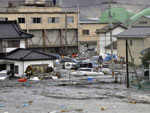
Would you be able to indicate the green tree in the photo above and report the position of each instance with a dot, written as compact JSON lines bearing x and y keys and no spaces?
{"x":145,"y":59}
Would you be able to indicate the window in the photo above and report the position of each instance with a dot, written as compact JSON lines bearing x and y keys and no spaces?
{"x":3,"y":19}
{"x":142,"y":22}
{"x":21,"y":20}
{"x":14,"y":43}
{"x":85,"y":32}
{"x":70,"y":20}
{"x":36,"y":20}
{"x":16,"y":69}
{"x":53,"y":19}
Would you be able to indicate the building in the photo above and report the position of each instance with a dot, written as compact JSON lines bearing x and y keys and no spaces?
{"x":12,"y":36}
{"x":138,"y":39}
{"x":142,"y":21}
{"x":19,"y":59}
{"x":88,"y":39}
{"x":54,"y":30}
{"x":105,"y":39}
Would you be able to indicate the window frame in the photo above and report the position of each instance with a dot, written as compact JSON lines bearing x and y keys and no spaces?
{"x":21,"y":20}
{"x":53,"y":19}
{"x":34,"y":20}
{"x":85,"y":32}
{"x":13,"y":44}
{"x":16,"y":70}
{"x":70,"y":19}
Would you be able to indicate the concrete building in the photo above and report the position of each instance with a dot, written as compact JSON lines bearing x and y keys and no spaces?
{"x":88,"y":38}
{"x":54,"y":30}
{"x":138,"y":39}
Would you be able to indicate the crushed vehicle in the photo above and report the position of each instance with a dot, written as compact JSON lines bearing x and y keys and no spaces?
{"x":86,"y":72}
{"x":4,"y":74}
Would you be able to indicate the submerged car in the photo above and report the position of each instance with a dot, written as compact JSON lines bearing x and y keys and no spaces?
{"x":86,"y":72}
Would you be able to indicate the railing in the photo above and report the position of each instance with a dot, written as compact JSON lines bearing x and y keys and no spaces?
{"x":33,"y":3}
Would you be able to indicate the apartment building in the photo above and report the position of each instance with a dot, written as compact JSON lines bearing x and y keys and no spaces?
{"x":55,"y":31}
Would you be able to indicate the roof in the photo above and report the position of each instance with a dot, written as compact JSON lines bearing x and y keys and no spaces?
{"x":135,"y":32}
{"x":106,"y":28}
{"x":21,"y":54}
{"x":12,"y":30}
{"x":140,"y":14}
{"x":114,"y":45}
{"x":118,"y":15}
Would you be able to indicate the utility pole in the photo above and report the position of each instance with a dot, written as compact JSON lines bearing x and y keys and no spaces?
{"x":109,"y":2}
{"x":78,"y":29}
{"x":127,"y":77}
{"x":66,"y":33}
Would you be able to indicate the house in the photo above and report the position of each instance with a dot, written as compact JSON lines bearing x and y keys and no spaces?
{"x":104,"y":38}
{"x":12,"y":36}
{"x":88,"y":39}
{"x":19,"y":59}
{"x":142,"y":21}
{"x":55,"y":30}
{"x":138,"y":39}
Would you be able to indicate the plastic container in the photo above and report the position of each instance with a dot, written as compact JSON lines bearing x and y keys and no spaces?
{"x":22,"y":80}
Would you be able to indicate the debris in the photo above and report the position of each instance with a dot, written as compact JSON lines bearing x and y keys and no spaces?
{"x":22,"y":80}
{"x":24,"y":105}
{"x":114,"y":107}
{"x":6,"y":112}
{"x":103,"y":108}
{"x":30,"y":101}
{"x":90,"y":79}
{"x":53,"y":112}
{"x":34,"y":78}
{"x":79,"y":110}
{"x":64,"y":111}
{"x":1,"y":105}
{"x":132,"y":102}
{"x":54,"y":77}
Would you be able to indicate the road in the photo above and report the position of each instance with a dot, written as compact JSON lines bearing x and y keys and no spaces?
{"x":53,"y":96}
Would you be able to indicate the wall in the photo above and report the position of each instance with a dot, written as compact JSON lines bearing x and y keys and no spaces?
{"x":92,"y":37}
{"x":105,"y":39}
{"x":23,"y":65}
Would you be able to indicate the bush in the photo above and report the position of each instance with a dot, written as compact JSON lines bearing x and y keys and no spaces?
{"x":145,"y":59}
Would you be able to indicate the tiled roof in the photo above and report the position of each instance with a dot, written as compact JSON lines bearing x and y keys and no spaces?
{"x":28,"y":55}
{"x":135,"y":32}
{"x":12,"y":30}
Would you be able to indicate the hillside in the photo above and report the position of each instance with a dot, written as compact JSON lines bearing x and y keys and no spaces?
{"x":93,"y":10}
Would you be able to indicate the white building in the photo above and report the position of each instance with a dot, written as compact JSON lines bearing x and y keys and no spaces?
{"x":104,"y":38}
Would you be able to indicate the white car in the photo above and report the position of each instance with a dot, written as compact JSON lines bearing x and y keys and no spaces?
{"x":3,"y":74}
{"x":86,"y":72}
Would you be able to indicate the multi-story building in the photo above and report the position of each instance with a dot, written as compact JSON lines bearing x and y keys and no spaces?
{"x":88,"y":38}
{"x":54,"y":30}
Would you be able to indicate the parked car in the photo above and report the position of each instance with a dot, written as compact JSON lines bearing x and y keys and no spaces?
{"x":86,"y":72}
{"x":4,"y":74}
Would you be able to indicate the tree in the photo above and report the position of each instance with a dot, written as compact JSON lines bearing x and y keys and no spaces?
{"x":145,"y":59}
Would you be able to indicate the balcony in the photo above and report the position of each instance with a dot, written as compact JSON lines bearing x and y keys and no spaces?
{"x":12,"y":4}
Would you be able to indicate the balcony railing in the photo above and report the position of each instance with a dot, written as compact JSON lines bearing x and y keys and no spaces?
{"x":33,"y":3}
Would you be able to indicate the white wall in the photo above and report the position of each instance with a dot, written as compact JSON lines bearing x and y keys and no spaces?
{"x":23,"y":65}
{"x":105,"y":40}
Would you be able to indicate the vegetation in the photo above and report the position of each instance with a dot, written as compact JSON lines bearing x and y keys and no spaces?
{"x":145,"y":59}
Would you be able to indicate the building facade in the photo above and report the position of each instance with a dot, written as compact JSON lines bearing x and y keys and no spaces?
{"x":54,"y":30}
{"x":88,"y":38}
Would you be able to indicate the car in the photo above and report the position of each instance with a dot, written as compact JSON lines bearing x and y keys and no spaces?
{"x":105,"y":68}
{"x":4,"y":74}
{"x":86,"y":72}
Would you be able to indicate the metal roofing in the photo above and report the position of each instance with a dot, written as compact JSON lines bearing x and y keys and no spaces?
{"x":12,"y":30}
{"x":135,"y":32}
{"x":28,"y":55}
{"x":106,"y":29}
{"x":140,"y":14}
{"x":118,"y":15}
{"x":114,"y":45}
